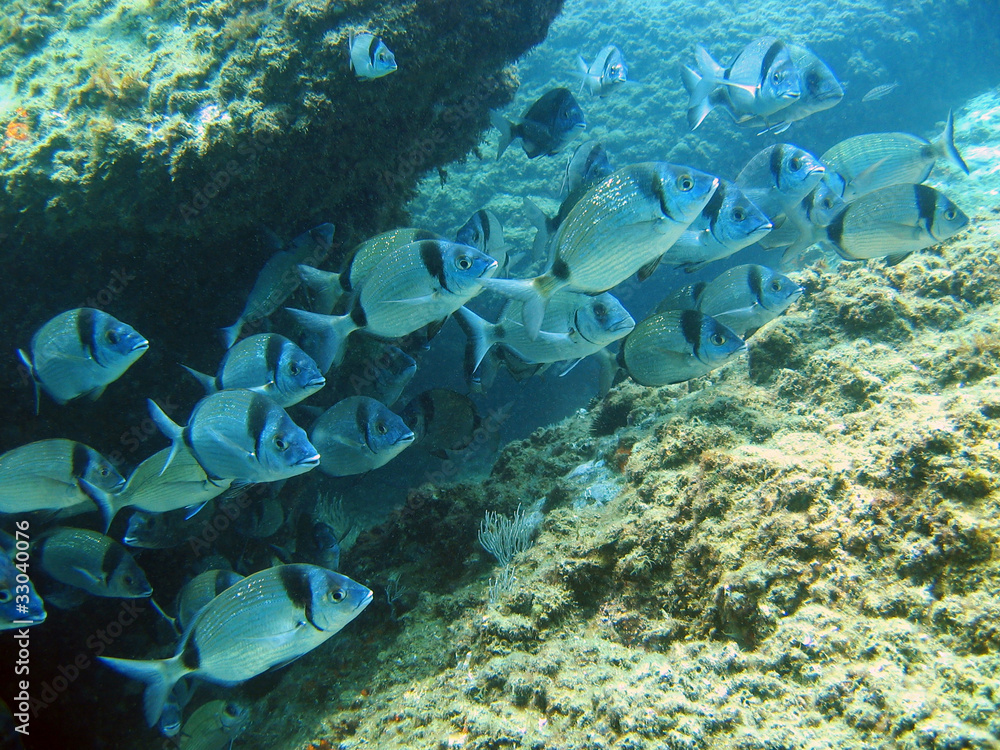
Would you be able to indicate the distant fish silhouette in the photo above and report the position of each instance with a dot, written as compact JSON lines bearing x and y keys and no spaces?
{"x":880,"y":91}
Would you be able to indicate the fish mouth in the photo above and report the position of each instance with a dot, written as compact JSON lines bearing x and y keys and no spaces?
{"x":311,"y":461}
{"x":490,"y":269}
{"x":625,"y":324}
{"x":141,"y":346}
{"x":316,"y":383}
{"x":817,"y":169}
{"x":408,"y":438}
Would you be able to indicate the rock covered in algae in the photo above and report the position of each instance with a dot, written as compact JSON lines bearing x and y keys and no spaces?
{"x":803,"y":552}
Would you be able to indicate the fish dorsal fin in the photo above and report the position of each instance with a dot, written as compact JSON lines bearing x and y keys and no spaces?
{"x":26,"y":360}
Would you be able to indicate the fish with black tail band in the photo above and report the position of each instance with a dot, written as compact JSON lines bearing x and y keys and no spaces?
{"x":199,"y":591}
{"x":18,"y":599}
{"x":484,"y":232}
{"x":169,"y":481}
{"x":729,"y":222}
{"x":595,"y":322}
{"x":868,"y":162}
{"x":819,"y":90}
{"x":240,"y":436}
{"x":742,"y":298}
{"x":777,"y":177}
{"x":79,"y":353}
{"x":266,"y":620}
{"x":92,"y":562}
{"x":357,"y":435}
{"x":268,"y":364}
{"x":214,"y":725}
{"x":442,"y":420}
{"x":412,"y":286}
{"x":370,"y":57}
{"x":806,"y":221}
{"x":677,"y":345}
{"x":58,"y":474}
{"x":279,"y":278}
{"x":893,"y":222}
{"x":761,"y":80}
{"x":624,"y":223}
{"x":608,"y":71}
{"x":546,"y":126}
{"x":364,"y":257}
{"x":322,"y":288}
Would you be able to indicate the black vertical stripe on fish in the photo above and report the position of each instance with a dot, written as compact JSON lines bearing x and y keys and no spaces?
{"x":80,"y":461}
{"x":113,"y":556}
{"x":272,"y":353}
{"x":926,"y":205}
{"x":86,"y":331}
{"x":190,"y":656}
{"x":755,"y":280}
{"x":256,"y":421}
{"x":777,"y":154}
{"x":765,"y":63}
{"x":484,"y":222}
{"x":298,"y":586}
{"x":809,"y":202}
{"x":358,"y":316}
{"x":713,"y":209}
{"x":560,"y":270}
{"x":430,"y":254}
{"x":656,"y":191}
{"x":836,"y":229}
{"x":362,"y":418}
{"x":372,"y":46}
{"x":691,"y":328}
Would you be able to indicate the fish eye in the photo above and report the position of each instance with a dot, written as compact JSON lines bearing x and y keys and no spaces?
{"x":739,"y":214}
{"x":950,"y":214}
{"x":280,"y":444}
{"x":777,"y":76}
{"x":112,"y":337}
{"x":600,"y":310}
{"x":381,"y":428}
{"x":718,"y":339}
{"x":464,"y":263}
{"x":685,"y":183}
{"x":337,"y":595}
{"x":129,"y":580}
{"x":293,"y":369}
{"x":775,"y":286}
{"x":5,"y":596}
{"x":795,"y":164}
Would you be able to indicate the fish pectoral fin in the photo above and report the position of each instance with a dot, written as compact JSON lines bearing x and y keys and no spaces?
{"x":422,"y":300}
{"x":891,"y":260}
{"x":647,"y":270}
{"x":193,"y":510}
{"x":93,"y":394}
{"x":96,"y":580}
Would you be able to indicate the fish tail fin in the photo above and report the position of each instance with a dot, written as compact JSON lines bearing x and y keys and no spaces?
{"x":480,"y":335}
{"x":231,"y":333}
{"x":350,"y":47}
{"x":700,"y":100}
{"x":506,"y":128}
{"x":323,"y":287}
{"x":944,"y":144}
{"x":105,"y":502}
{"x":160,"y":675}
{"x":26,"y":360}
{"x":540,"y":221}
{"x":331,"y":332}
{"x":534,"y":294}
{"x":581,"y":65}
{"x":207,"y":381}
{"x":170,"y":429}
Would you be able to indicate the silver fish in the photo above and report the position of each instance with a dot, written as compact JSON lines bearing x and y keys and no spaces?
{"x":370,"y":58}
{"x":484,"y":232}
{"x":607,"y":71}
{"x":92,"y":562}
{"x":893,"y":222}
{"x":214,"y":726}
{"x":880,"y":92}
{"x":729,"y":222}
{"x":588,"y":164}
{"x":79,"y":353}
{"x":241,"y":436}
{"x":357,"y":435}
{"x":268,"y":364}
{"x":627,"y":221}
{"x":868,"y":162}
{"x":742,"y":298}
{"x":594,"y":323}
{"x":778,"y":177}
{"x":819,"y":90}
{"x":199,"y":591}
{"x":413,"y":286}
{"x":163,"y":483}
{"x":545,"y":128}
{"x":279,"y":278}
{"x":677,"y":345}
{"x":266,"y":620}
{"x":807,"y":221}
{"x":19,"y":602}
{"x":57,"y":474}
{"x":761,"y":80}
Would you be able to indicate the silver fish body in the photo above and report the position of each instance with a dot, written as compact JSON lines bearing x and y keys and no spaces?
{"x":412,"y":286}
{"x":677,"y":345}
{"x":868,"y":162}
{"x":19,"y":602}
{"x":893,"y":222}
{"x":608,"y":71}
{"x":199,"y":591}
{"x":806,"y":221}
{"x":777,"y":177}
{"x":357,"y":435}
{"x":214,"y":726}
{"x":242,"y":436}
{"x":266,"y":620}
{"x":370,"y":57}
{"x":588,"y":164}
{"x":880,"y":92}
{"x":279,"y":278}
{"x":163,"y":483}
{"x":80,"y":352}
{"x":623,"y":223}
{"x":269,"y":364}
{"x":58,"y":474}
{"x":92,"y":562}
